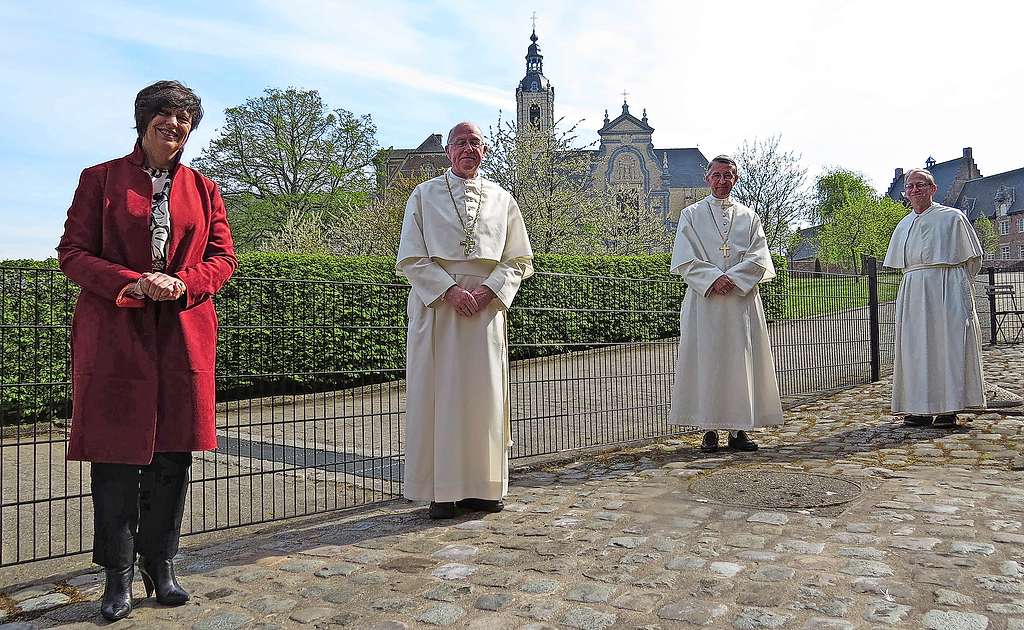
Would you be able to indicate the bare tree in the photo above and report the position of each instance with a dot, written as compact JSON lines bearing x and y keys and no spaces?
{"x":374,"y":227}
{"x":774,"y":184}
{"x":549,"y":175}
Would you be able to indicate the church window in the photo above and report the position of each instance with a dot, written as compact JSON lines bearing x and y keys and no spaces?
{"x":535,"y":115}
{"x":534,"y":86}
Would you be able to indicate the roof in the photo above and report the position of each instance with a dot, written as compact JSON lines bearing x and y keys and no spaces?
{"x":431,"y":145}
{"x":943,"y":172}
{"x":807,"y":244}
{"x":979,"y":196}
{"x":685,"y":166}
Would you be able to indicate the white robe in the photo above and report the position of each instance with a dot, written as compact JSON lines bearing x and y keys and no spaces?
{"x":937,"y":358}
{"x":457,"y":393}
{"x":725,"y":373}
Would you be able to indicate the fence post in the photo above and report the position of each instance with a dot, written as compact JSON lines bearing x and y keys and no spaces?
{"x":871,"y":267}
{"x":993,"y":327}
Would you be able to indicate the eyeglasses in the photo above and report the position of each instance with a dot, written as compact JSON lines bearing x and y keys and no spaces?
{"x":725,"y":177}
{"x":916,"y":185}
{"x":463,"y":143}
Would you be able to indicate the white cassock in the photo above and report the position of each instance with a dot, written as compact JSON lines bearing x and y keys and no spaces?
{"x":937,"y":358}
{"x":725,"y":374}
{"x":457,"y":392}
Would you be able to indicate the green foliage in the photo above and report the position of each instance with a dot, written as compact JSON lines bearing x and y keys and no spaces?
{"x":291,"y":323}
{"x":836,"y":189}
{"x":860,"y":227}
{"x":987,"y":235}
{"x":285,"y":153}
{"x":36,"y":304}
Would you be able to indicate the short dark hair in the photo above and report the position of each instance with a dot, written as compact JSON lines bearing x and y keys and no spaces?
{"x":165,"y":95}
{"x":723,"y":159}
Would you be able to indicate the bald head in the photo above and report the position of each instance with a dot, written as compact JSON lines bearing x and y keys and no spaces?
{"x":464,"y":126}
{"x":466,"y":149}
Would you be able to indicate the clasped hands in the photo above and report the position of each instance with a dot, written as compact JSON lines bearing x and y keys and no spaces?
{"x":722,"y":286}
{"x":159,"y":286}
{"x":468,"y":303}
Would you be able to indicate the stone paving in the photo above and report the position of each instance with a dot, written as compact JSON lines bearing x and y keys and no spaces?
{"x":934,"y":540}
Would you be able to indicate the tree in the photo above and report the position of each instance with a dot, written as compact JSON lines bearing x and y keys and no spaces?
{"x":549,"y":175}
{"x":834,"y":189}
{"x":286,"y":152}
{"x":773,"y":184}
{"x":862,"y":226}
{"x":374,"y":227}
{"x":987,"y":235}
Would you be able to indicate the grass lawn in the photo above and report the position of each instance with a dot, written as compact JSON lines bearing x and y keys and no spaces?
{"x":816,"y":296}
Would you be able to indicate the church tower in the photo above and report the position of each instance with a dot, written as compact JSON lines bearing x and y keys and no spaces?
{"x":535,"y":96}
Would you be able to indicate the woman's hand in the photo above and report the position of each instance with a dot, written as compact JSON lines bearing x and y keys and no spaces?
{"x":160,"y":286}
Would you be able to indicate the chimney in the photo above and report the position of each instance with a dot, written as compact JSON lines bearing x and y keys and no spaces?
{"x":968,"y":153}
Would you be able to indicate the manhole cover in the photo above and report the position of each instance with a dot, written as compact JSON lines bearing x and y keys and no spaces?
{"x":774,"y":489}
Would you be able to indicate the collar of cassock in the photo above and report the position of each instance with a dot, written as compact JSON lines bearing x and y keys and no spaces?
{"x":722,"y":204}
{"x":473,"y":182}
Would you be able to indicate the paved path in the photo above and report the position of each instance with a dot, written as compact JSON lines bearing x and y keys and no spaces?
{"x":934,"y":540}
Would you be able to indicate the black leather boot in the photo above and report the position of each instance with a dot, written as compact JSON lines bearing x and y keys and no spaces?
{"x":161,"y":504}
{"x":158,"y":575}
{"x":117,"y":593}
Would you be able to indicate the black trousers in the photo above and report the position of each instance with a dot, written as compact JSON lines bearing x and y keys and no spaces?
{"x":137,"y":509}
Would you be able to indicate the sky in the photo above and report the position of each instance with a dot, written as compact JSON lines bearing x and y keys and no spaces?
{"x":868,"y":85}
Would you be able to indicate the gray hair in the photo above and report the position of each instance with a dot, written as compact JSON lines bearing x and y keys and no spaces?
{"x":465,"y":123}
{"x":921,"y":171}
{"x":723,"y":159}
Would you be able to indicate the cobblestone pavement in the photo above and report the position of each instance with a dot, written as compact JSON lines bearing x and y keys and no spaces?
{"x":933,"y":539}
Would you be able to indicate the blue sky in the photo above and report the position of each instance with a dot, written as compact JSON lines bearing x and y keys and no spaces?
{"x":869,"y":85}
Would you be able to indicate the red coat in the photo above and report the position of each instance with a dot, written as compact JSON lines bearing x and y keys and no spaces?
{"x":143,"y":378}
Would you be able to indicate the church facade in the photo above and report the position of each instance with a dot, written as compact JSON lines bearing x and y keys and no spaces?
{"x":626,"y":162}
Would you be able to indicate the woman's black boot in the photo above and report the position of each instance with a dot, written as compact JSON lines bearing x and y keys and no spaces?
{"x":158,"y":575}
{"x":117,"y":593}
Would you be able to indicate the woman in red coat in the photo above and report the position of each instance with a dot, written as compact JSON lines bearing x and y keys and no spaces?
{"x":147,"y":239}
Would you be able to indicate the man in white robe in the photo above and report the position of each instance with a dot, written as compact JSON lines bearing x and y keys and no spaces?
{"x":937,"y":359}
{"x":465,"y":251}
{"x":725,"y":373}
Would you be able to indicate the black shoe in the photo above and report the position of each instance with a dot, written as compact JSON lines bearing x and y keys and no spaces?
{"x":741,"y":442}
{"x":442,"y":509}
{"x":482,"y":505}
{"x":710,"y":442}
{"x":117,"y":593}
{"x":948,"y":420}
{"x":914,"y":420}
{"x":158,"y":575}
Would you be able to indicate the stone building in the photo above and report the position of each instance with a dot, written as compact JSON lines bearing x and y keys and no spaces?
{"x":626,"y":160}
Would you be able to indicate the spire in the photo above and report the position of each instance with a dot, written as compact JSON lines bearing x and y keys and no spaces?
{"x":534,"y":81}
{"x":645,"y":115}
{"x":625,"y":105}
{"x":606,"y":116}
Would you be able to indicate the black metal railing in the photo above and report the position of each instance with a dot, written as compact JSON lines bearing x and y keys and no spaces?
{"x":311,"y":398}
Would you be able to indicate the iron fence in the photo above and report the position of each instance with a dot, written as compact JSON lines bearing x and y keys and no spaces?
{"x":311,"y":398}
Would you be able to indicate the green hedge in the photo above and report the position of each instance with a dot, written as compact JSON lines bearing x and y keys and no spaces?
{"x":293,"y":323}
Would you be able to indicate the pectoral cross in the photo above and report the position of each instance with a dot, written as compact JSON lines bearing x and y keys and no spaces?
{"x":725,"y":250}
{"x":468,"y":243}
